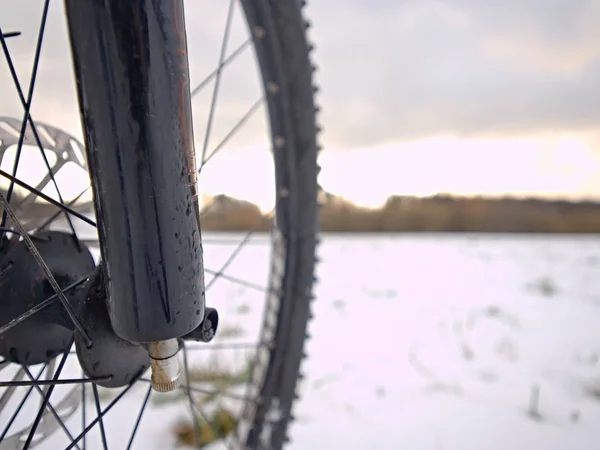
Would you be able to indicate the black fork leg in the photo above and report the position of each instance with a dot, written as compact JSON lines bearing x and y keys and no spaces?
{"x":131,"y":66}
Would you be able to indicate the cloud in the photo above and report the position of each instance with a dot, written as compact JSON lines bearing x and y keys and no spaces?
{"x":406,"y":70}
{"x":389,"y":71}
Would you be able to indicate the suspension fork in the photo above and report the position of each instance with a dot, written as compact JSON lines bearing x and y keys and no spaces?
{"x":131,"y":67}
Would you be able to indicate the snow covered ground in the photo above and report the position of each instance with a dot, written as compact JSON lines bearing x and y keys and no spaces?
{"x":436,"y":342}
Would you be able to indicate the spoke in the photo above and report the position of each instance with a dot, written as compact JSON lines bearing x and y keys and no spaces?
{"x":200,"y":412}
{"x":228,"y":346}
{"x":215,"y":72}
{"x":45,"y":401}
{"x":47,"y":198}
{"x":9,"y":230}
{"x":48,"y":274}
{"x":36,"y":384}
{"x":83,"y":402}
{"x":224,"y":394}
{"x":49,"y":372}
{"x":21,"y":403}
{"x":53,"y":382}
{"x":99,"y":412}
{"x":54,"y":216}
{"x":10,"y":34}
{"x":229,"y":260}
{"x":225,"y":241}
{"x":215,"y":94}
{"x":255,"y":107}
{"x":139,"y":417}
{"x":103,"y":413}
{"x":36,"y":61}
{"x":235,"y":252}
{"x":39,"y":307}
{"x":190,"y":398}
{"x":239,"y":281}
{"x":213,"y":392}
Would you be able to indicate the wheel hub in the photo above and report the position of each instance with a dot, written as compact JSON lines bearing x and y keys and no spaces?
{"x":46,"y":334}
{"x":114,"y":360}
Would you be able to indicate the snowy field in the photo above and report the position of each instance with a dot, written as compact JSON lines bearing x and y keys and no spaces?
{"x":419,"y":342}
{"x":437,"y":343}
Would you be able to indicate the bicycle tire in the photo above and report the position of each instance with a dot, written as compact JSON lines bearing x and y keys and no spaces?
{"x":284,"y":55}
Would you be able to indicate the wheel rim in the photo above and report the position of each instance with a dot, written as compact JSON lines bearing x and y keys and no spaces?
{"x":95,"y":414}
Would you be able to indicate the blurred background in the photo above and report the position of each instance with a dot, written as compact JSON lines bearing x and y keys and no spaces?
{"x":458,"y":297}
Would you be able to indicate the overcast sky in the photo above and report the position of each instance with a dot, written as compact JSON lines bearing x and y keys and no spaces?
{"x":410,"y":69}
{"x":390,"y":71}
{"x":393,"y":70}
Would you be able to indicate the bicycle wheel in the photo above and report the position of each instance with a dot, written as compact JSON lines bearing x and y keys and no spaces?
{"x":49,"y":272}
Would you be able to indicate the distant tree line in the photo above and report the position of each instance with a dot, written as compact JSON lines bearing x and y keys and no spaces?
{"x":441,"y":213}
